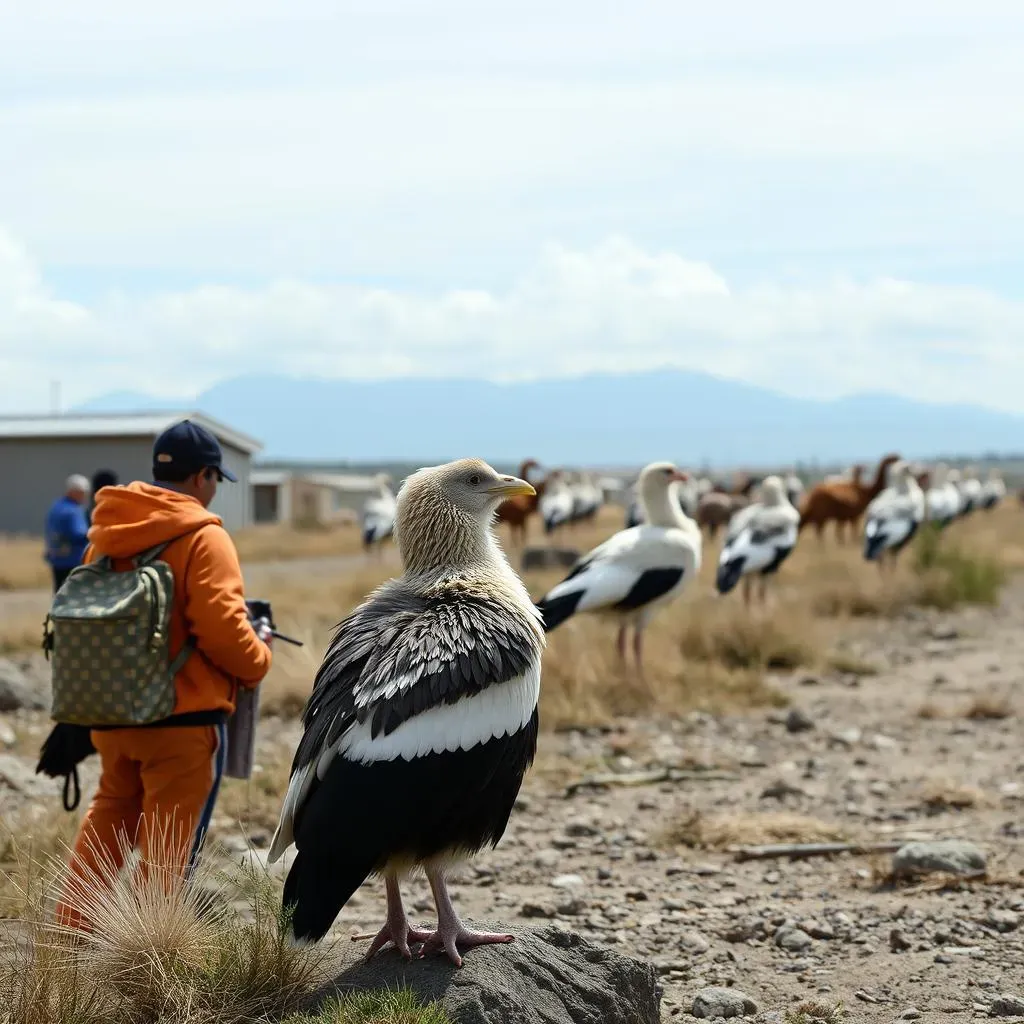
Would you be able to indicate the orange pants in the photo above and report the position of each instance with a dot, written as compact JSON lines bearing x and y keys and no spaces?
{"x":156,"y":792}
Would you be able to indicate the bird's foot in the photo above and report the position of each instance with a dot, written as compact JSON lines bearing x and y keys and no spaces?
{"x":452,"y":939}
{"x":401,"y":936}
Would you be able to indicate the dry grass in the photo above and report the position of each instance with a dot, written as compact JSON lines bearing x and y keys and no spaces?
{"x":161,"y":949}
{"x":722,"y":831}
{"x":274,"y":542}
{"x":989,"y":705}
{"x":815,"y":1012}
{"x":397,"y":1007}
{"x":704,"y":652}
{"x":939,"y":795}
{"x":21,"y":563}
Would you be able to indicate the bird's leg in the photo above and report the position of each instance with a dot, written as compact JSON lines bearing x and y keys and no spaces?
{"x":451,"y":932}
{"x":396,"y":929}
{"x":622,"y":642}
{"x":638,"y":650}
{"x":746,"y":591}
{"x":763,"y":590}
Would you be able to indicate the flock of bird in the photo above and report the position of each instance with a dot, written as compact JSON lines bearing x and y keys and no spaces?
{"x":423,"y":720}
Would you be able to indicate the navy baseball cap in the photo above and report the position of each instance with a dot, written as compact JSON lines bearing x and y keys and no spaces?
{"x":189,"y":448}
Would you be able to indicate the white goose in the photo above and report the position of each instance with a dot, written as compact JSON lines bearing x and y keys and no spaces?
{"x":556,"y":504}
{"x":379,"y":513}
{"x":993,"y":490}
{"x":760,"y":538}
{"x":942,"y":499}
{"x":971,"y":490}
{"x":892,"y":518}
{"x":635,"y":571}
{"x":794,"y":489}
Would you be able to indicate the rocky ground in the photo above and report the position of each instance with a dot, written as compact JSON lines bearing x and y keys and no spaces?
{"x":926,"y":748}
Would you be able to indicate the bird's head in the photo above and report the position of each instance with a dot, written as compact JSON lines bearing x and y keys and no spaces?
{"x":445,"y":513}
{"x":773,"y":491}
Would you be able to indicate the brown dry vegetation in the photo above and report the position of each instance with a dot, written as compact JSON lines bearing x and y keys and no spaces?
{"x":722,"y":831}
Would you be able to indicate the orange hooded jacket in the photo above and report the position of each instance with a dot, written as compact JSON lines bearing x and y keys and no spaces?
{"x":209,"y":599}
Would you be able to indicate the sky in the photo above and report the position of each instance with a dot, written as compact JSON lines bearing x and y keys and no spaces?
{"x":820,"y":199}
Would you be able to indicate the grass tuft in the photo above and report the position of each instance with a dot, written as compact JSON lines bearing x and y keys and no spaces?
{"x":815,"y":1012}
{"x":400,"y":1006}
{"x":720,"y":831}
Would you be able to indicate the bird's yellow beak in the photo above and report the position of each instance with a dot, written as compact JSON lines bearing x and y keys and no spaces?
{"x":511,"y":486}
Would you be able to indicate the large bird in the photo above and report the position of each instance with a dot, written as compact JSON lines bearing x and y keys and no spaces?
{"x":942,"y":499}
{"x":760,"y":538}
{"x":794,"y":488}
{"x":637,"y":570}
{"x":970,"y":488}
{"x":892,"y":518}
{"x":379,"y":513}
{"x":557,"y":502}
{"x":992,"y":491}
{"x":423,"y":718}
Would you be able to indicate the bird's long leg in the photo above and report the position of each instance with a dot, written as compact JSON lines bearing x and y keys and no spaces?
{"x":452,"y":934}
{"x":621,"y":642}
{"x":746,"y":591}
{"x":396,"y":929}
{"x":763,"y":590}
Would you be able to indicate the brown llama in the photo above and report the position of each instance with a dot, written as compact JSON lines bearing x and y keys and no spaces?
{"x":843,"y":502}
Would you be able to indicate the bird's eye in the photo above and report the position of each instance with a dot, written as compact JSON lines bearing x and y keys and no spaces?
{"x":474,"y":480}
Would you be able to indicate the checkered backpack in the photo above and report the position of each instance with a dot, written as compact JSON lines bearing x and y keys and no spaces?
{"x":107,"y":636}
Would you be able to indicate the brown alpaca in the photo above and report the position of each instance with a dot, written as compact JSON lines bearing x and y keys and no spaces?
{"x":716,"y":508}
{"x":517,"y":511}
{"x":842,"y":502}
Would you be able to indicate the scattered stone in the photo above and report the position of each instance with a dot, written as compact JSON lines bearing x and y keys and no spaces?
{"x":944,"y":631}
{"x":810,"y":681}
{"x":898,"y":942}
{"x":568,"y":882}
{"x":581,"y":830}
{"x":799,"y":721}
{"x":954,"y":856}
{"x":1007,"y":1006}
{"x":547,"y":976}
{"x":17,"y":692}
{"x":911,"y":1013}
{"x":8,"y":737}
{"x":1003,"y":920}
{"x":572,"y":907}
{"x":694,"y":942}
{"x":536,"y":910}
{"x":716,"y":1003}
{"x":793,"y":940}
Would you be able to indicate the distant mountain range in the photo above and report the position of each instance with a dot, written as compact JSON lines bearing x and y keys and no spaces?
{"x":600,"y":420}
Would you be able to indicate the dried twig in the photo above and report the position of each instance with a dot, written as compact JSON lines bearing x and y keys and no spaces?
{"x":798,"y":850}
{"x":666,"y":774}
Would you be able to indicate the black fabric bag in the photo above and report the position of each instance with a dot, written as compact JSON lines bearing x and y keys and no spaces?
{"x":61,"y":753}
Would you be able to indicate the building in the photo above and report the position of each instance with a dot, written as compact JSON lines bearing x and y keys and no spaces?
{"x":38,"y":453}
{"x":305,"y":498}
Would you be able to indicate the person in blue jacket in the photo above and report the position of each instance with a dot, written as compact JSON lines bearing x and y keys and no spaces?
{"x":67,"y":530}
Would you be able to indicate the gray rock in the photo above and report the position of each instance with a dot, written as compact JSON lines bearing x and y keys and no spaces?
{"x":694,"y":942}
{"x":794,"y":940}
{"x":911,"y":1013}
{"x":714,"y":1003}
{"x":548,"y":976}
{"x":799,"y":721}
{"x":1003,"y":920}
{"x":8,"y":737}
{"x":956,"y":856}
{"x":548,"y":558}
{"x":944,"y":631}
{"x":1007,"y":1006}
{"x":18,"y":689}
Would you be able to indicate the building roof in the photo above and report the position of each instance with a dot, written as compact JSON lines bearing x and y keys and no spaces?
{"x":147,"y":424}
{"x":335,"y":481}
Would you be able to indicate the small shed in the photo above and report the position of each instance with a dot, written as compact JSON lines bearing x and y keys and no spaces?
{"x":304,"y":498}
{"x":38,"y":453}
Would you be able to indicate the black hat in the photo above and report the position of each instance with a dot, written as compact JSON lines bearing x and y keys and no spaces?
{"x":188,"y":448}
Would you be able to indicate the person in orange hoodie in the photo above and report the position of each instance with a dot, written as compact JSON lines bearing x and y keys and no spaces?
{"x":159,"y":782}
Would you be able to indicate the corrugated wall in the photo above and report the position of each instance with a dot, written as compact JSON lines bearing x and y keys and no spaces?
{"x":33,"y":471}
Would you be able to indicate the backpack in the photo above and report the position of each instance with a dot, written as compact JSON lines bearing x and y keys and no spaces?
{"x":107,"y":636}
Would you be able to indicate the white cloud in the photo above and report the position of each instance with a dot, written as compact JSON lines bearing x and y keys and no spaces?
{"x":614,"y":307}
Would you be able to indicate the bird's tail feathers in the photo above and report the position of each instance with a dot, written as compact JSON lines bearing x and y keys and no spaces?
{"x":729,"y":574}
{"x":555,"y":610}
{"x":315,"y":891}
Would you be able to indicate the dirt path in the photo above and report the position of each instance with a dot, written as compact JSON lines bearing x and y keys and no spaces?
{"x":870,"y":766}
{"x":598,"y":863}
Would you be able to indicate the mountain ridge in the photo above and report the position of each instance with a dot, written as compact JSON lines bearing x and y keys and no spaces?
{"x":597,"y":419}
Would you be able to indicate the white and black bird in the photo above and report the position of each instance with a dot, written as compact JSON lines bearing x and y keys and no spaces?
{"x":794,"y":489}
{"x":759,"y":539}
{"x":970,"y":488}
{"x":556,"y":503}
{"x":637,"y":570}
{"x":379,"y":513}
{"x":423,"y":718}
{"x":993,"y":490}
{"x":892,"y":518}
{"x":942,"y":499}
